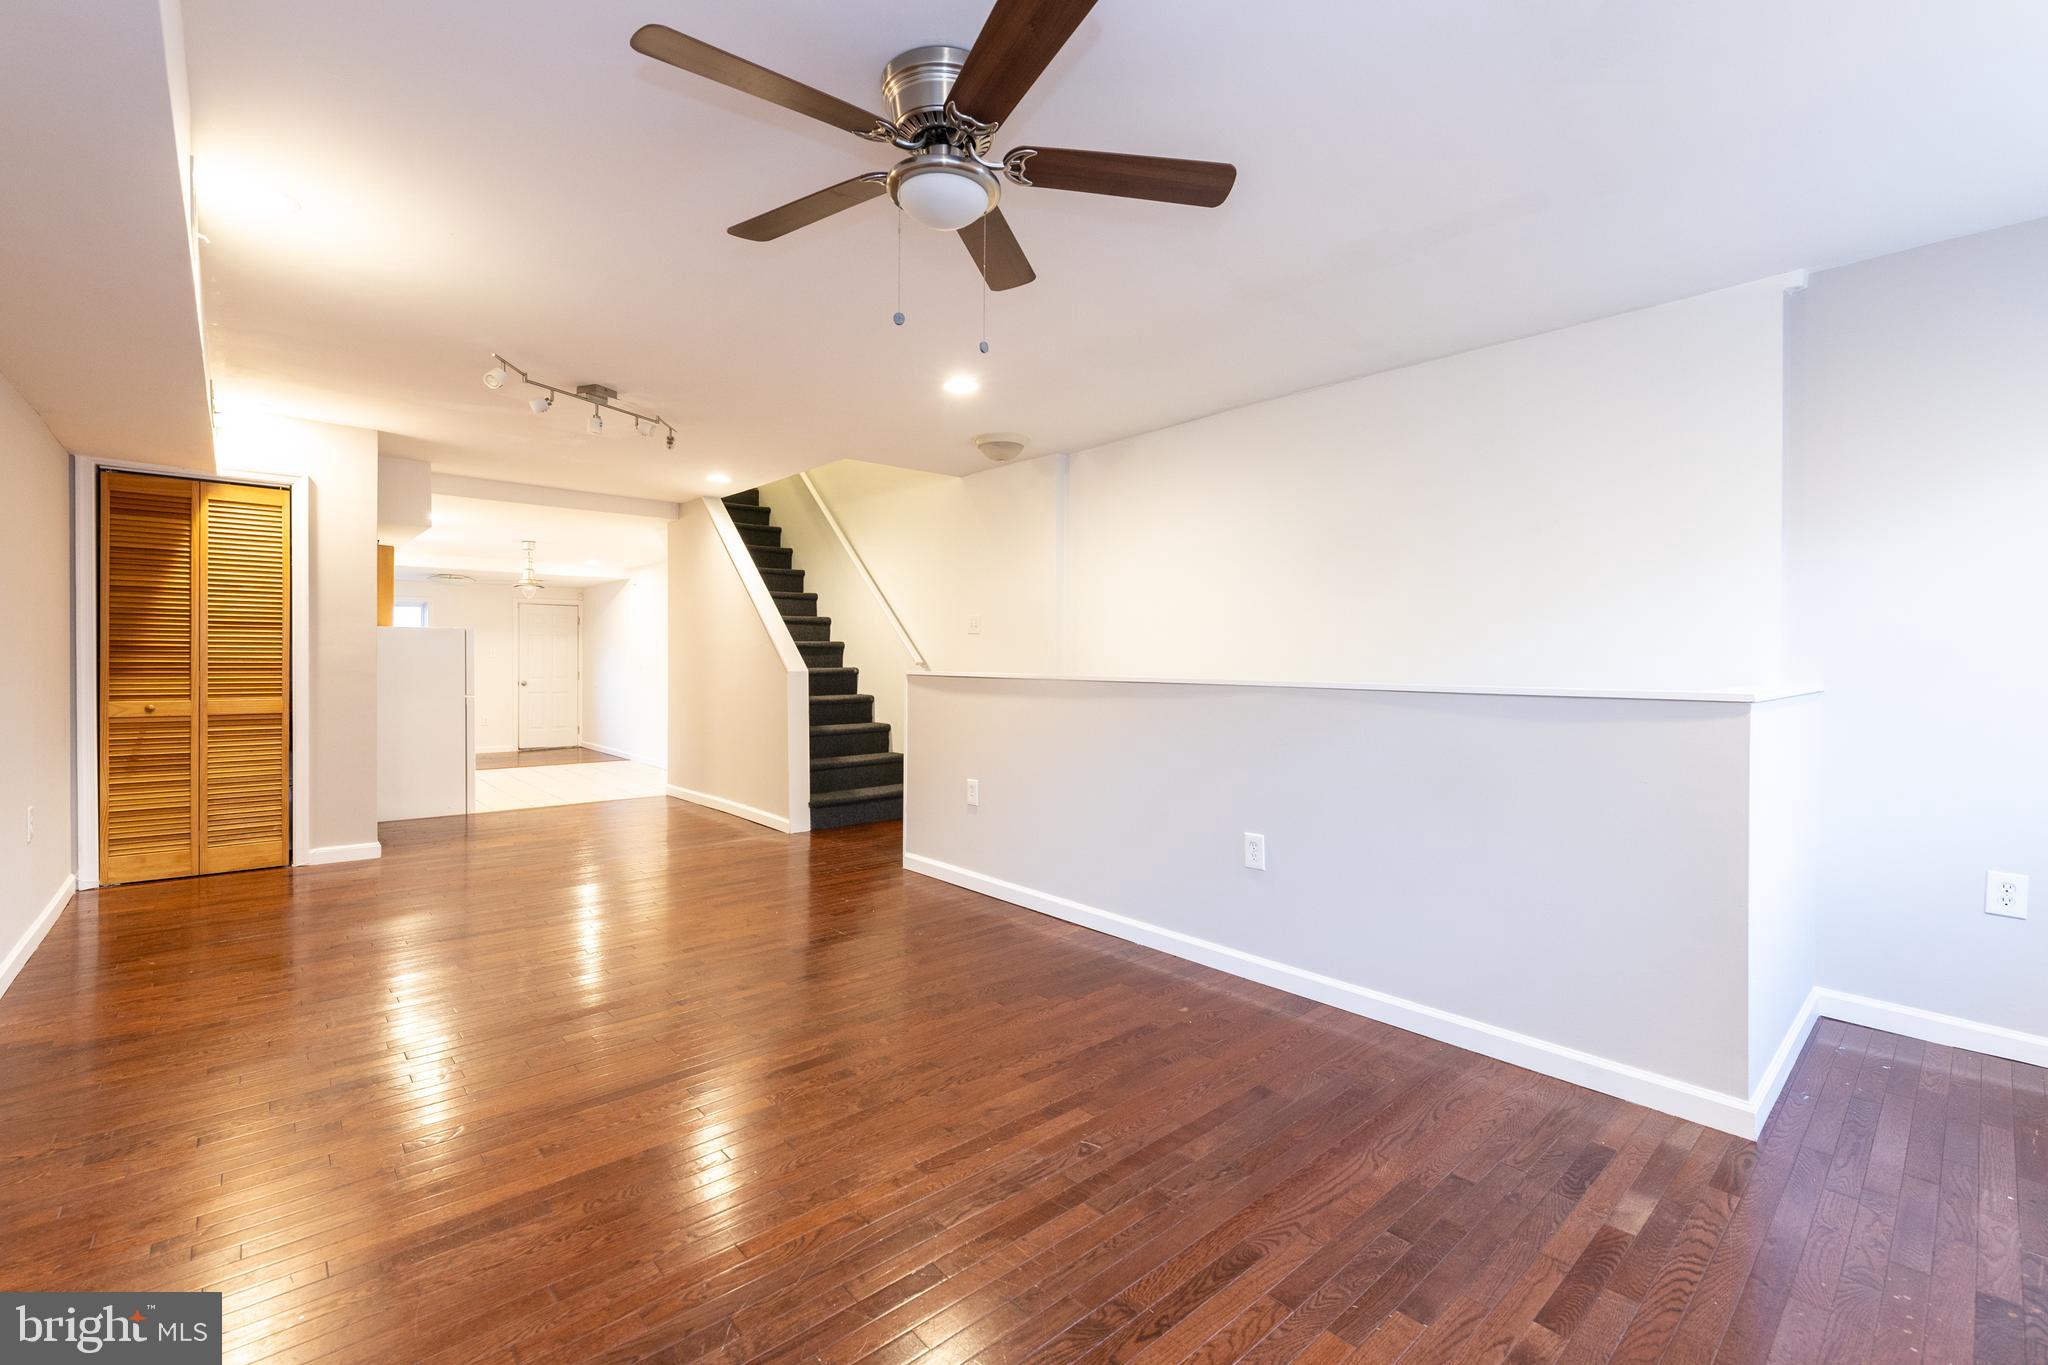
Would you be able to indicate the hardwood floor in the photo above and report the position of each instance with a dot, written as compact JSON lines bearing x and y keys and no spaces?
{"x":637,"y":1080}
{"x":542,"y":758}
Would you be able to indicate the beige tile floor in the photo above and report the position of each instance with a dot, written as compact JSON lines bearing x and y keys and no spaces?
{"x":566,"y":784}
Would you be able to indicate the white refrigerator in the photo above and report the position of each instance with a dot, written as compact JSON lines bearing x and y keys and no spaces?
{"x":426,"y":722}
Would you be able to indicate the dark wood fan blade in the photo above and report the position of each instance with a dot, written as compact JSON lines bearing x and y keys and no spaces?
{"x":1018,"y":41}
{"x":702,"y":59}
{"x":1005,"y":266}
{"x":1205,"y":184}
{"x":811,"y":208}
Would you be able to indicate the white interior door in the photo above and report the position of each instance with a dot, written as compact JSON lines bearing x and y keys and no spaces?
{"x":549,"y":681}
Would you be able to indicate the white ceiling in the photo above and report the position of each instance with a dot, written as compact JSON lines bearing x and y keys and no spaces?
{"x":99,"y":316}
{"x":573,"y":549}
{"x":1414,"y":180}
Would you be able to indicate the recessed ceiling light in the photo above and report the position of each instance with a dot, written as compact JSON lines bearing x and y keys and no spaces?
{"x":962,"y":384}
{"x":718,"y":478}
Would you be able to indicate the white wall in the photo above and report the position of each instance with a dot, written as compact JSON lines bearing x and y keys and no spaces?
{"x":738,"y":714}
{"x":1784,"y":916}
{"x":944,"y":549}
{"x":342,"y":465}
{"x":35,"y":681}
{"x":1595,"y":507}
{"x":1562,"y":882}
{"x":405,"y":499}
{"x":490,"y":612}
{"x":625,"y":666}
{"x":1917,"y":494}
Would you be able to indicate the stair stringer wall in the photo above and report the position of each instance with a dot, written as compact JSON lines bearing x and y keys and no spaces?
{"x":739,"y":691}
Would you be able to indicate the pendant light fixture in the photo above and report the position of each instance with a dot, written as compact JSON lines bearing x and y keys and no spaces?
{"x":529,"y":582}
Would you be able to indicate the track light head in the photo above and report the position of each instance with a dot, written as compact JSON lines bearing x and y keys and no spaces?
{"x":542,"y":404}
{"x":496,"y":378}
{"x":595,"y":426}
{"x":645,"y":426}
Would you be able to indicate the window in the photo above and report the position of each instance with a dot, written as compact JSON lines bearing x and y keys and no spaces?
{"x":408,"y":613}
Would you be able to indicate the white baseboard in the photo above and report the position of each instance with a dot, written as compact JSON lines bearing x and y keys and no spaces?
{"x":343,"y":853}
{"x":625,"y":754}
{"x":778,"y":823}
{"x":1730,"y":1113}
{"x":32,"y":937}
{"x":1949,"y":1030}
{"x":499,"y":749}
{"x":1765,"y":1096}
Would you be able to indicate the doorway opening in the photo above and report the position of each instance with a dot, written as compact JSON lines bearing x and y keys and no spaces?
{"x":557,"y":659}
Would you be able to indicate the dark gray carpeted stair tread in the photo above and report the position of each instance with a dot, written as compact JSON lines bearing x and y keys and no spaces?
{"x":850,"y":737}
{"x":811,"y":628}
{"x":750,"y":498}
{"x":853,"y":795}
{"x":783,"y":580}
{"x":856,"y":760}
{"x":802,"y":604}
{"x":759,"y":534}
{"x":872,"y":806}
{"x":822,"y":653}
{"x":772,"y":556}
{"x":846,"y":772}
{"x":745,"y":517}
{"x":840,"y":681}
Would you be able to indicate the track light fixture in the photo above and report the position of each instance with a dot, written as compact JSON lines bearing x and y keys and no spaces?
{"x":601,"y":398}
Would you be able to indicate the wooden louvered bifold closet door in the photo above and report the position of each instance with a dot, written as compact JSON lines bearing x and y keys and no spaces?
{"x":149,"y":650}
{"x":244,"y":671}
{"x":195,"y":652}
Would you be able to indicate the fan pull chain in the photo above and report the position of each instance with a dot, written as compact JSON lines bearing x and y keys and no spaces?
{"x":984,"y":281}
{"x":898,"y":318}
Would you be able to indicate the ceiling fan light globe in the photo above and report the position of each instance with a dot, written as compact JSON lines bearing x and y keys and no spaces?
{"x":944,"y":193}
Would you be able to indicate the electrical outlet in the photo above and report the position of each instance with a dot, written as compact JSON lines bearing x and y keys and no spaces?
{"x":2005,"y":893}
{"x":1255,"y":851}
{"x":974,"y":625}
{"x":973,"y":791}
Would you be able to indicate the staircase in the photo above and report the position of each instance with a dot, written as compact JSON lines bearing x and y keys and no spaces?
{"x":855,"y":780}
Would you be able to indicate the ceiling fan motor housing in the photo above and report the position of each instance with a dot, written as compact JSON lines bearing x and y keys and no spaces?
{"x":916,"y":86}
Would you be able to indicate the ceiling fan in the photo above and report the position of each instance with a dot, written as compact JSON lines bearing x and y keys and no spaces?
{"x":945,"y":106}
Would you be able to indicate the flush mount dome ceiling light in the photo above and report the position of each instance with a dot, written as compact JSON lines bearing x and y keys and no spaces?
{"x":944,"y":192}
{"x":945,"y":104}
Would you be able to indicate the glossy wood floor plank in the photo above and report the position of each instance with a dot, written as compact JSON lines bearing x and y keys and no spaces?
{"x":638,"y":1081}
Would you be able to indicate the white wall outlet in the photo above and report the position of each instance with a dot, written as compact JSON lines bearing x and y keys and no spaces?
{"x":2005,"y":893}
{"x":1255,"y":851}
{"x":973,"y":791}
{"x":974,"y":625}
